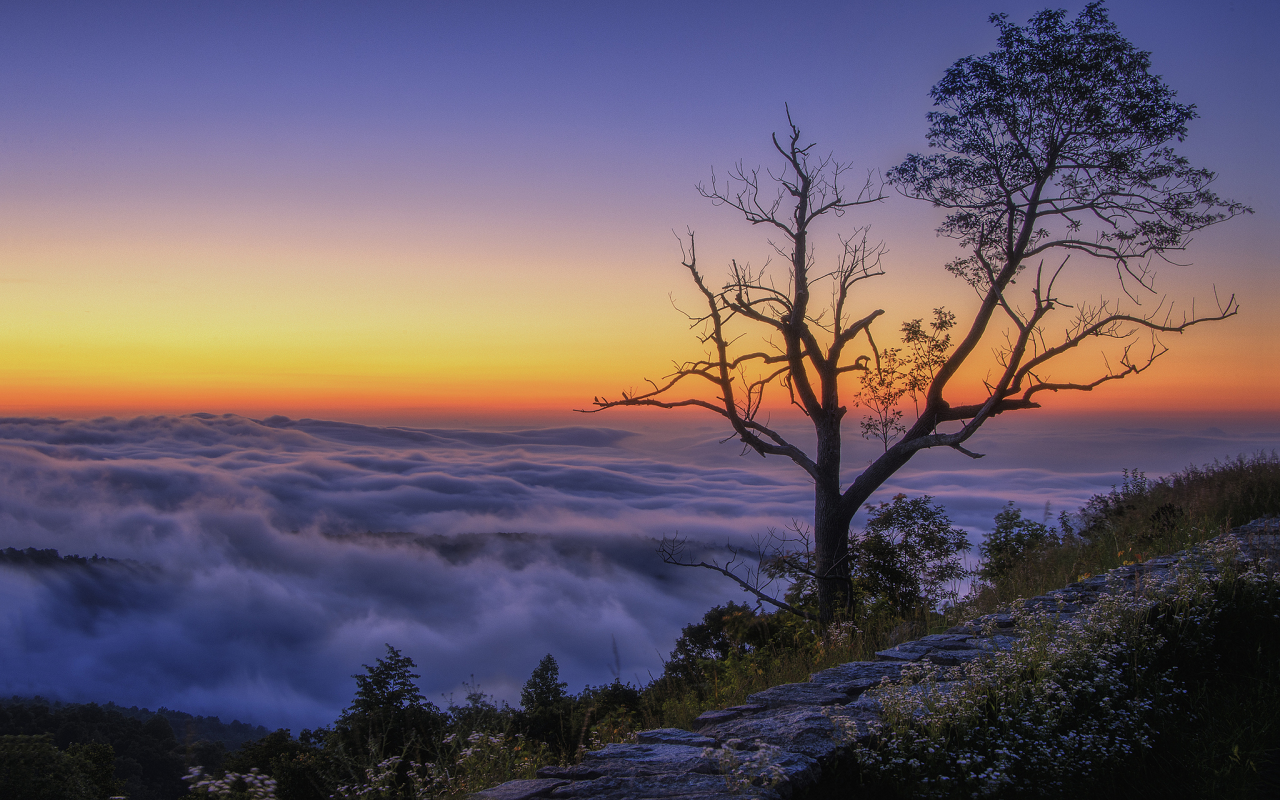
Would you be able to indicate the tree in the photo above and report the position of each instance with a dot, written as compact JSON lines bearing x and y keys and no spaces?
{"x":1057,"y":142}
{"x":545,"y":706}
{"x":296,"y":766}
{"x":730,"y":629}
{"x":908,"y":553}
{"x":906,"y":556}
{"x":544,"y":689}
{"x":387,"y":717}
{"x":1009,"y":543}
{"x":32,"y":768}
{"x":387,"y":688}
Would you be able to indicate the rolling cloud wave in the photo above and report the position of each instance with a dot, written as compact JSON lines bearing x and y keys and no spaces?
{"x":259,"y":563}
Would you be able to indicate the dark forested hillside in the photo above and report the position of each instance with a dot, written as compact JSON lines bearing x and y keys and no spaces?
{"x":151,"y":750}
{"x":189,"y":728}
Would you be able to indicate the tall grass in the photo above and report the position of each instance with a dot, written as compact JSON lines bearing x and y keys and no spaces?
{"x":1137,"y":520}
{"x":1141,"y":519}
{"x":1224,"y":740}
{"x":668,"y":703}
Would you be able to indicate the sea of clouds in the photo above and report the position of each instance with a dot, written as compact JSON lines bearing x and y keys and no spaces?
{"x":262,"y":562}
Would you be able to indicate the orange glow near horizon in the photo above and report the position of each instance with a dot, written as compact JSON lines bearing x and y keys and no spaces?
{"x":305,"y":331}
{"x":186,"y":229}
{"x":84,"y":381}
{"x":149,"y":340}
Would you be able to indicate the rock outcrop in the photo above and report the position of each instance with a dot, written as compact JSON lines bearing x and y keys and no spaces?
{"x":783,"y":742}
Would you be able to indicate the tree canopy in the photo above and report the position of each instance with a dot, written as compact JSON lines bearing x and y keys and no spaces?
{"x":1054,"y":146}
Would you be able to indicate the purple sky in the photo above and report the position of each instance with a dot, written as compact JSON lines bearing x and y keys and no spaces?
{"x":278,"y":208}
{"x":272,"y":208}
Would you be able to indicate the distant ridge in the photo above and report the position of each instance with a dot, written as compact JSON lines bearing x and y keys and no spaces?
{"x":31,"y":557}
{"x":48,"y":558}
{"x":187,"y":728}
{"x":194,"y":728}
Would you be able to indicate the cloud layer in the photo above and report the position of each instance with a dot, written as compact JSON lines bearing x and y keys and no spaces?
{"x":262,"y":562}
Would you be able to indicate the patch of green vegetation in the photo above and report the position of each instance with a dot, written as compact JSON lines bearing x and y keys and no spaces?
{"x":1136,"y":520}
{"x":33,"y":768}
{"x":142,"y":756}
{"x":1166,"y":692}
{"x":1227,"y":743}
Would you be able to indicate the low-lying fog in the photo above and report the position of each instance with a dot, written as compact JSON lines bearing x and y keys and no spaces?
{"x":264,"y":561}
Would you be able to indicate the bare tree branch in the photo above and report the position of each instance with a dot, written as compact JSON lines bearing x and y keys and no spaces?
{"x":671,"y":550}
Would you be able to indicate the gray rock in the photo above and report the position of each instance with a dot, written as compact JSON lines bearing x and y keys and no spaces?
{"x":798,"y":694}
{"x":575,"y":773}
{"x":954,"y":658}
{"x":1003,"y":620}
{"x":855,"y":723}
{"x":674,"y":736}
{"x":521,"y":790}
{"x":999,"y":642}
{"x":724,"y":715}
{"x":684,"y":787}
{"x":934,"y":648}
{"x":631,"y":760}
{"x":903,"y":654}
{"x":948,"y":641}
{"x":870,"y":707}
{"x":856,"y":677}
{"x":952,"y":649}
{"x":806,"y":730}
{"x":796,"y":771}
{"x":867,"y":705}
{"x":1097,"y":583}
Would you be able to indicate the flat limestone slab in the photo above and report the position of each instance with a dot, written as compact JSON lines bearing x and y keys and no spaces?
{"x":684,"y":787}
{"x":806,"y":730}
{"x":798,"y":694}
{"x":632,"y":760}
{"x":521,"y":790}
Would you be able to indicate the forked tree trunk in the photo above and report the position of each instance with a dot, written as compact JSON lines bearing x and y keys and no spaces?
{"x":831,"y":553}
{"x":830,"y":522}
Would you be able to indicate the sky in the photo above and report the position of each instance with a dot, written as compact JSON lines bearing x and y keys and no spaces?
{"x":297,"y":300}
{"x":405,"y":211}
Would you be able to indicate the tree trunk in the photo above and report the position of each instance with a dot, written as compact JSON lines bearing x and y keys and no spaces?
{"x":831,"y":553}
{"x":830,"y":523}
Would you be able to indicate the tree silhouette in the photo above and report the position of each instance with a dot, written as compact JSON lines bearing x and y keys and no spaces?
{"x":545,"y":706}
{"x":1055,"y":144}
{"x":388,"y":687}
{"x":388,"y":716}
{"x":544,"y":689}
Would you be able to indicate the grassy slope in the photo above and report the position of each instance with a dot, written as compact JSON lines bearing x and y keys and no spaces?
{"x":1234,"y":747}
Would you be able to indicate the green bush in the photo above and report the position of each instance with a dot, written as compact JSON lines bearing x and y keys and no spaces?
{"x":1076,"y":706}
{"x":1012,"y":541}
{"x":32,"y":768}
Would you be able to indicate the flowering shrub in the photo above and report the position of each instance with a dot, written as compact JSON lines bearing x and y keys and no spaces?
{"x":476,"y":762}
{"x":742,"y":768}
{"x":1070,"y":700}
{"x":251,"y":785}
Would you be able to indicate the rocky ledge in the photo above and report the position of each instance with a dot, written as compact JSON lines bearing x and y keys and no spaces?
{"x":783,"y":742}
